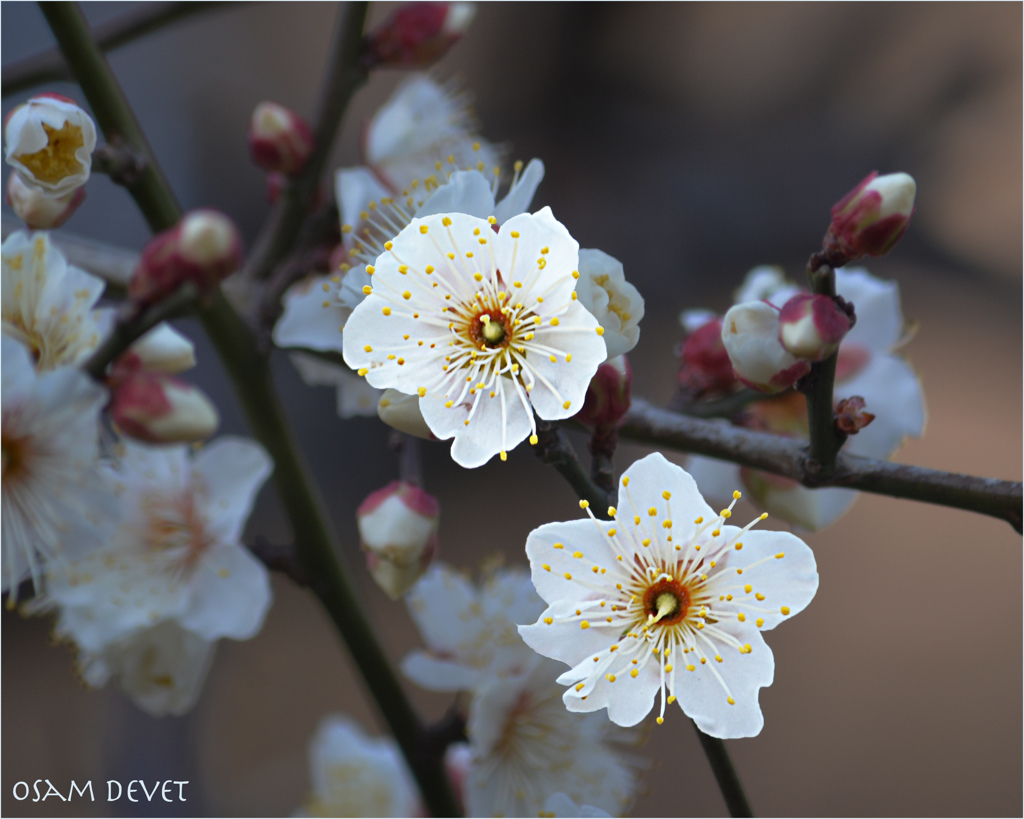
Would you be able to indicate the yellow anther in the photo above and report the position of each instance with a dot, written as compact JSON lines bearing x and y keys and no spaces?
{"x":699,"y":520}
{"x":362,"y":371}
{"x":386,"y":311}
{"x":422,"y":391}
{"x":584,"y":504}
{"x":584,"y":624}
{"x":534,"y":439}
{"x":548,"y":620}
{"x":423,"y":228}
{"x":478,"y":277}
{"x":554,"y":321}
{"x":759,"y":621}
{"x":579,"y":686}
{"x":577,"y":555}
{"x":600,"y":331}
{"x":646,"y":541}
{"x":566,"y":405}
{"x":370,"y":269}
{"x":610,"y":677}
{"x":407,"y":295}
{"x":491,"y":220}
{"x":737,"y":494}
{"x":567,"y":576}
{"x":731,"y":701}
{"x":652,"y":511}
{"x":575,"y":274}
{"x":741,"y":617}
{"x":368,"y":349}
{"x":660,"y":720}
{"x":545,"y":567}
{"x":514,"y":234}
{"x":718,"y":658}
{"x":403,"y":269}
{"x":739,"y":546}
{"x":725,"y":513}
{"x":691,"y":667}
{"x":388,"y":245}
{"x":634,"y":673}
{"x":759,"y":596}
{"x":671,"y":699}
{"x":785,"y":609}
{"x":780,"y":555}
{"x":748,"y":588}
{"x":367,"y":290}
{"x":449,"y":404}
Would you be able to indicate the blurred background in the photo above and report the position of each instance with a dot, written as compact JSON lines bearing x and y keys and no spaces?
{"x":691,"y":141}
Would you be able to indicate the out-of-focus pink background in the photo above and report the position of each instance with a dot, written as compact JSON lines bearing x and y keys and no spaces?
{"x":692,"y":142}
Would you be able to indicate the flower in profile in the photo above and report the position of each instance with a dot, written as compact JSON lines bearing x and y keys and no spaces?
{"x":525,"y":746}
{"x":750,"y":336}
{"x":470,"y":630}
{"x":485,"y":328}
{"x":867,"y":367}
{"x":176,"y":556}
{"x":357,"y":775}
{"x":162,"y":668}
{"x":616,"y":304}
{"x":417,"y":34}
{"x":49,"y":141}
{"x":872,"y":218}
{"x":423,"y":123}
{"x":46,"y":303}
{"x":667,"y":598}
{"x":56,"y":504}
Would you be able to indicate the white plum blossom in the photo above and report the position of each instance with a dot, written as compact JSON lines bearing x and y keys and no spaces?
{"x":666,"y":597}
{"x":316,"y":309}
{"x":48,"y":304}
{"x":49,"y":141}
{"x":616,"y":304}
{"x":525,"y":746}
{"x":470,"y":632}
{"x":176,"y":556}
{"x":867,"y":366}
{"x":424,"y":123}
{"x":161,"y":668}
{"x":56,"y":503}
{"x":485,"y":328}
{"x":750,"y":335}
{"x":357,"y":775}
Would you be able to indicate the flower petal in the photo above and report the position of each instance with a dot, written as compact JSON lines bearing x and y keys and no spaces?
{"x":231,"y":471}
{"x":312,"y":317}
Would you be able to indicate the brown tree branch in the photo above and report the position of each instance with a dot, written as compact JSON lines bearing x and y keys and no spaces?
{"x":789,"y":457}
{"x":49,"y":65}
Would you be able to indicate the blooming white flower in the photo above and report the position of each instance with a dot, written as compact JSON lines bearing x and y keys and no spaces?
{"x":424,"y":123}
{"x":49,"y":141}
{"x":316,"y":309}
{"x":176,"y":555}
{"x":46,"y":303}
{"x":162,"y":668}
{"x":485,"y":328}
{"x":666,"y":597}
{"x":56,"y":504}
{"x":616,"y":304}
{"x":357,"y":775}
{"x":525,"y":746}
{"x":867,"y":366}
{"x":470,"y":632}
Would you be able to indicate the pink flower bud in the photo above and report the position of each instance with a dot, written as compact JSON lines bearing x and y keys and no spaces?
{"x":872,"y":217}
{"x":280,"y":141}
{"x":608,"y":396}
{"x":811,"y":327}
{"x":40,"y":210}
{"x":850,"y":415}
{"x":398,"y":529}
{"x":49,"y":142}
{"x":418,"y":34}
{"x":706,"y":366}
{"x":164,"y":349}
{"x":156,"y":408}
{"x":750,"y":334}
{"x":203,"y":248}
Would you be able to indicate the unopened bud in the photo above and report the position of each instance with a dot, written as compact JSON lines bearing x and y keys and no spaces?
{"x":811,"y":326}
{"x":706,"y":366}
{"x":280,"y":141}
{"x":418,"y":34}
{"x":608,"y":396}
{"x":203,"y":248}
{"x":398,"y":529}
{"x":850,"y":415}
{"x":750,"y":334}
{"x":872,"y":217}
{"x":402,"y":412}
{"x":157,"y":408}
{"x":40,"y":210}
{"x":164,"y":349}
{"x":49,"y":142}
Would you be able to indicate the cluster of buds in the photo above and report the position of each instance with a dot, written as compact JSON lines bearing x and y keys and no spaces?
{"x":148,"y":403}
{"x":417,"y":34}
{"x":203,"y":248}
{"x":870,"y":219}
{"x":398,"y":529}
{"x":49,"y":142}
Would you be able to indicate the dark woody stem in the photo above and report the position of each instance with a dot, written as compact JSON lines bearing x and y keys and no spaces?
{"x":818,"y":388}
{"x":316,"y":544}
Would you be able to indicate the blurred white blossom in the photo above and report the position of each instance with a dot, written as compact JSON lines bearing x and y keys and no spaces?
{"x":49,"y":141}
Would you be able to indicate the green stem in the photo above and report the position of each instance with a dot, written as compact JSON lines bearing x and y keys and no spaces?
{"x":315,"y":540}
{"x":725,"y":774}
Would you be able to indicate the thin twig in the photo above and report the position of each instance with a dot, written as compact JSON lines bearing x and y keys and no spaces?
{"x":553,"y":447}
{"x":789,"y":457}
{"x":725,"y":774}
{"x":316,"y":543}
{"x":344,"y":76}
{"x":49,"y":65}
{"x":818,"y":386}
